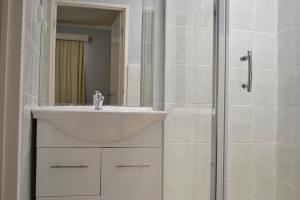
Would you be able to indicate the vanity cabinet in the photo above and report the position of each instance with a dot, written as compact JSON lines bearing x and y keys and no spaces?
{"x":129,"y":174}
{"x":68,"y":172}
{"x":109,"y":173}
{"x":72,"y":168}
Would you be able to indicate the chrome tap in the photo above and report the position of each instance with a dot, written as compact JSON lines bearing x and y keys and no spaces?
{"x":98,"y":99}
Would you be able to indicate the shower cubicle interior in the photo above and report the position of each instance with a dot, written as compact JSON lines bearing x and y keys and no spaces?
{"x":262,"y":136}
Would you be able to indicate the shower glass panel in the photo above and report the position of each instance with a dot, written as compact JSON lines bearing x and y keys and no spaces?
{"x":252,"y":100}
{"x":188,"y":99}
{"x":288,"y":114}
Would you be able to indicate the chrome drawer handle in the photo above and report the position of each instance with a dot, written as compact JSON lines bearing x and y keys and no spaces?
{"x":68,"y":166}
{"x":133,"y":165}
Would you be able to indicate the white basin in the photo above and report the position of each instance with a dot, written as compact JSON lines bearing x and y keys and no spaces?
{"x":111,"y":124}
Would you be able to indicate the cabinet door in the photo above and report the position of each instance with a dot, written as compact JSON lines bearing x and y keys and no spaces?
{"x":131,"y":174}
{"x":68,"y":172}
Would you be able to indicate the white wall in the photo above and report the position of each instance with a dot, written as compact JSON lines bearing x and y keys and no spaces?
{"x":30,"y":88}
{"x":11,"y":76}
{"x":188,"y":99}
{"x":133,"y":85}
{"x":288,"y":149}
{"x":97,"y":59}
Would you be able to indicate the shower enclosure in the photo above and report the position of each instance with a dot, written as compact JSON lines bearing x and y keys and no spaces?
{"x":232,"y":92}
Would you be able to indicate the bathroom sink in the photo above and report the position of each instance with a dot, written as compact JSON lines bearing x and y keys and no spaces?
{"x":111,"y":124}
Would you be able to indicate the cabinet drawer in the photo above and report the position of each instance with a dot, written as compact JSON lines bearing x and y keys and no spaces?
{"x":68,"y":172}
{"x":131,"y":174}
{"x":70,"y":198}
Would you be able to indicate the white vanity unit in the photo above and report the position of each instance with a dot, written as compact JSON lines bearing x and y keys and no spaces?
{"x":111,"y":154}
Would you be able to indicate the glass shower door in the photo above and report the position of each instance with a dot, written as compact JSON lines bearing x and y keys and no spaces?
{"x":252,"y":100}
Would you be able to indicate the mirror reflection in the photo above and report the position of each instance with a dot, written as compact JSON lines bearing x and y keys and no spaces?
{"x":90,"y":55}
{"x":113,"y":48}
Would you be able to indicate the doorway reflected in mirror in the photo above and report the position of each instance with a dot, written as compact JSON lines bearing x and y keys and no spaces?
{"x":90,"y":55}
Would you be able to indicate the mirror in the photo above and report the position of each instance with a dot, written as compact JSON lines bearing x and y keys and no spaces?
{"x":100,"y":46}
{"x":91,"y":54}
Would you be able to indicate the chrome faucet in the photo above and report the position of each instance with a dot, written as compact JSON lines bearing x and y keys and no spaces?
{"x":98,"y":99}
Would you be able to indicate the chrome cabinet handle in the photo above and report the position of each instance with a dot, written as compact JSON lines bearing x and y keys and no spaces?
{"x":248,"y":58}
{"x":68,"y":166}
{"x":133,"y":165}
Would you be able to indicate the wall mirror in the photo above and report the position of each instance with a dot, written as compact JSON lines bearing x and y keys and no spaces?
{"x":104,"y":45}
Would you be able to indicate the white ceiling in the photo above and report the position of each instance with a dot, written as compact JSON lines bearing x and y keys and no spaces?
{"x":86,"y":16}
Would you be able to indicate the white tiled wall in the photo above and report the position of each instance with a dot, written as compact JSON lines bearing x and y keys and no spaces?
{"x":252,"y":116}
{"x":134,"y":85}
{"x":31,"y":55}
{"x":188,"y":99}
{"x":288,"y":149}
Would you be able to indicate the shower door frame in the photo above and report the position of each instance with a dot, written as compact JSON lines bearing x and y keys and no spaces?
{"x":220,"y":91}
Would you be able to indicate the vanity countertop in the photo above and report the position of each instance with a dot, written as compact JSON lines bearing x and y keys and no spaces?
{"x":107,"y":125}
{"x":105,"y":109}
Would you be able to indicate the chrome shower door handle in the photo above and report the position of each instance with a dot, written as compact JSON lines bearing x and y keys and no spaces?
{"x":248,"y":58}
